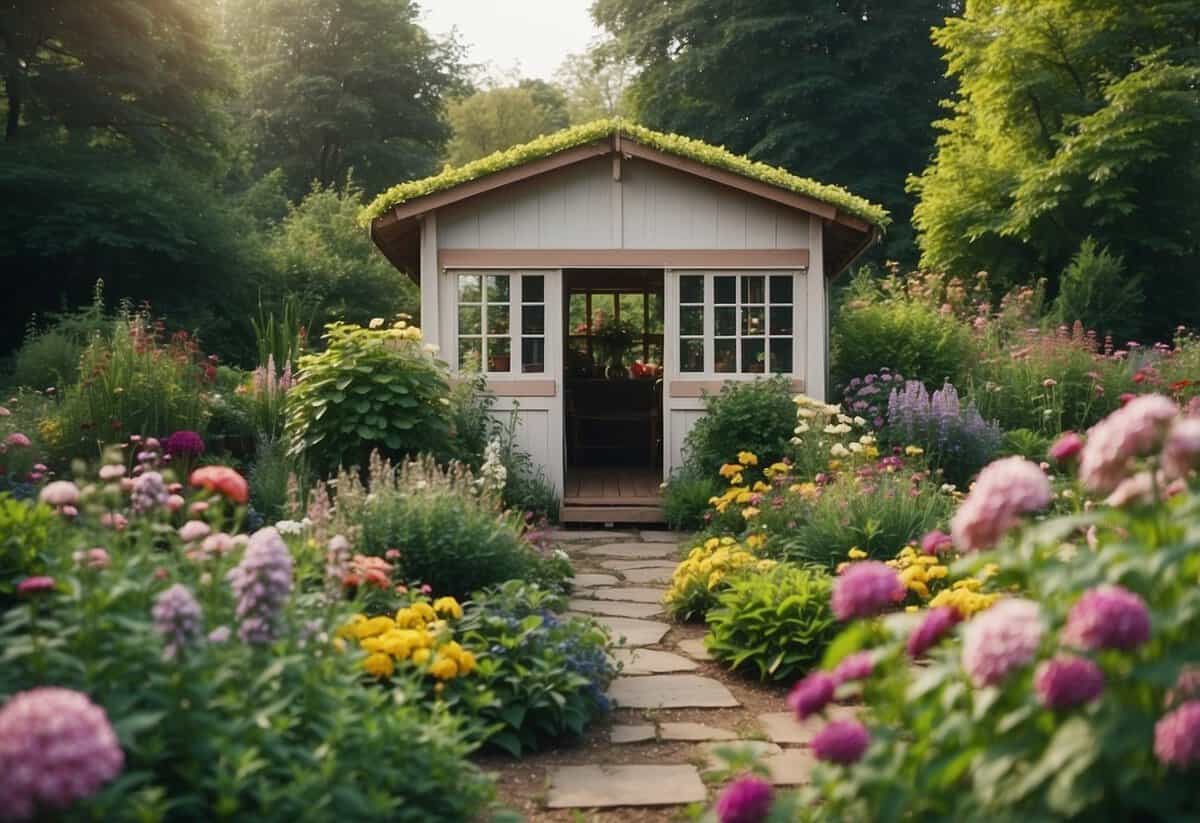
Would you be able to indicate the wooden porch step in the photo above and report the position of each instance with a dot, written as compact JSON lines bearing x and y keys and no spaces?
{"x":652,"y":500}
{"x":611,"y":514}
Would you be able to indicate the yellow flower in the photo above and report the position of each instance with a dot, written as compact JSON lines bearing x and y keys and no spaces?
{"x":914,"y":451}
{"x":444,"y":668}
{"x":748,"y":458}
{"x":750,"y":512}
{"x":421,"y":656}
{"x":756,"y":541}
{"x":448,"y":607}
{"x":744,"y":497}
{"x":727,"y":541}
{"x":729,"y":470}
{"x":779,"y":468}
{"x":856,"y":553}
{"x":710,"y":543}
{"x":466,"y":663}
{"x":424,"y":610}
{"x":347,"y":629}
{"x":760,"y":486}
{"x":406,"y":618}
{"x":374,"y":626}
{"x":379,"y":665}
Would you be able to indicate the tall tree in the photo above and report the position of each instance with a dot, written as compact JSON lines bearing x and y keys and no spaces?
{"x":497,"y":118}
{"x":840,"y":90}
{"x":335,"y":85}
{"x":1072,"y":119}
{"x":596,"y":83}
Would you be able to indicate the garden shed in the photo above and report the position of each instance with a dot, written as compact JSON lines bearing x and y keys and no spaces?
{"x":606,"y":277}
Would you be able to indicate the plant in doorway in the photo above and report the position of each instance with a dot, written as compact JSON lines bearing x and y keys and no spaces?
{"x":613,"y":340}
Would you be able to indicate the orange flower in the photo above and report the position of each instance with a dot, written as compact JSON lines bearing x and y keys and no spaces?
{"x":223,"y":480}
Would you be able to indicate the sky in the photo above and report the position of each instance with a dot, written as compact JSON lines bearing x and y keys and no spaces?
{"x":502,"y":34}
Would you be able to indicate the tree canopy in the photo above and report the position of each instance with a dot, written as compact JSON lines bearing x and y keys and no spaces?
{"x":501,"y":117}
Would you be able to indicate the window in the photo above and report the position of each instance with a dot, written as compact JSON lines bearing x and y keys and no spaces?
{"x":488,"y":327}
{"x":590,"y":309}
{"x":752,"y":323}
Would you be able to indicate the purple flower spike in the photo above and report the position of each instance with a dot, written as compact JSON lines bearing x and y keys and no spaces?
{"x":842,"y":741}
{"x":745,"y":800}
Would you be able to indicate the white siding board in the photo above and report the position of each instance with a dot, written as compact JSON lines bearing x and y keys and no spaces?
{"x":760,"y":224}
{"x":527,"y":214}
{"x":731,"y":223}
{"x":497,"y":229}
{"x":791,"y":229}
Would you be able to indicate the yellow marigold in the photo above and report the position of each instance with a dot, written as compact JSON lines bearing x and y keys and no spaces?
{"x":937,"y":572}
{"x":347,"y":629}
{"x":406,"y":618}
{"x":466,"y":663}
{"x":448,"y":607}
{"x":421,"y":656}
{"x":750,"y":512}
{"x":965,"y":600}
{"x":400,"y":643}
{"x":444,"y":668}
{"x":760,"y":486}
{"x":748,"y":458}
{"x":856,"y":553}
{"x":451,"y":650}
{"x":710,"y":543}
{"x":806,"y":490}
{"x":914,"y":451}
{"x":379,"y":665}
{"x":779,"y":468}
{"x":744,"y":497}
{"x":729,"y":470}
{"x":756,"y":541}
{"x":727,"y":541}
{"x":424,"y":610}
{"x":372,"y":644}
{"x":374,"y":626}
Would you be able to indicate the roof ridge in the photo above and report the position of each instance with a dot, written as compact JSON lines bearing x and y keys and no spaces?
{"x":678,"y":145}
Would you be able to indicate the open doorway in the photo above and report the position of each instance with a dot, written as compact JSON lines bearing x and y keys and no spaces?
{"x":613,"y":323}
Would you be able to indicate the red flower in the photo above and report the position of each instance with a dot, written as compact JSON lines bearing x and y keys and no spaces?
{"x":1180,"y":385}
{"x":223,"y":480}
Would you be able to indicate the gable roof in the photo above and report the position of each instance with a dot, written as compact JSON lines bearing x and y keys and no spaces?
{"x":391,"y":217}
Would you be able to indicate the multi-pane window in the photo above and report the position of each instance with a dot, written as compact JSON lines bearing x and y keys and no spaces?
{"x":486,"y":322}
{"x":752,"y":323}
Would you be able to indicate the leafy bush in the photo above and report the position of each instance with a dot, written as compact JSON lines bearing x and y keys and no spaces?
{"x":549,"y":674}
{"x":527,"y":490}
{"x":269,"y":478}
{"x":867,"y":396}
{"x":370,"y":389}
{"x":472,"y":426}
{"x":755,"y":416}
{"x":703,"y":574}
{"x":49,"y":355}
{"x":686,"y":498}
{"x":775,"y":624}
{"x":24,"y":538}
{"x":1095,"y":290}
{"x":954,"y":438}
{"x":1026,"y":443}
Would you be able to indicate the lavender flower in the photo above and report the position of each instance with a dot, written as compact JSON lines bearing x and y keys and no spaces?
{"x":1177,"y":736}
{"x":178,"y":618}
{"x":261,"y":583}
{"x":745,"y":800}
{"x":812,"y":694}
{"x":841,"y":741}
{"x":149,"y":492}
{"x":1001,"y":640}
{"x":857,"y":666}
{"x":1066,"y":682}
{"x":953,"y":433}
{"x":56,"y":747}
{"x":936,"y":624}
{"x":865,"y":589}
{"x":1004,"y":491}
{"x":1108,"y":617}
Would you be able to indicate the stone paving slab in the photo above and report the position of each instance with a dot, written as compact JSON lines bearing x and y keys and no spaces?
{"x":783,"y":727}
{"x":694,"y":648}
{"x":629,"y":551}
{"x":644,"y":563}
{"x":587,"y":579}
{"x":588,"y":787}
{"x":651,"y":661}
{"x":588,"y":534}
{"x":674,"y":538}
{"x":671,"y":691}
{"x":759,"y":750}
{"x":694,"y":731}
{"x":628,"y":631}
{"x":787,"y":767}
{"x":632,"y":594}
{"x":653,"y":574}
{"x":614,"y":608}
{"x":631,"y":734}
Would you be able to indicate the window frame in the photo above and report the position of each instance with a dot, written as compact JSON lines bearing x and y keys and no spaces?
{"x":515,"y":334}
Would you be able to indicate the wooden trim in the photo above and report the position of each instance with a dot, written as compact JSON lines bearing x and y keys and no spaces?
{"x":523,"y":388}
{"x":623,"y":258}
{"x":698,"y":388}
{"x":749,"y":185}
{"x":611,"y":514}
{"x":500,"y":179}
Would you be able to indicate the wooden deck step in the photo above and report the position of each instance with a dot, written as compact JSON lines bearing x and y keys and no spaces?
{"x":611,"y":514}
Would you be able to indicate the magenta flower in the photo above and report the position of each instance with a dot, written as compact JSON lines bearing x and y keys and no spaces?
{"x":18,"y":439}
{"x":936,"y":542}
{"x":1001,"y":640}
{"x":841,"y":741}
{"x":745,"y":800}
{"x":262,"y":583}
{"x":857,"y":666}
{"x":178,"y":618}
{"x":1067,"y":682}
{"x":936,"y":624}
{"x":56,"y":747}
{"x":1005,"y":490}
{"x":1135,"y":429}
{"x":185,"y":444}
{"x":1065,"y":447}
{"x":1108,"y":617}
{"x":35,"y":585}
{"x":1177,"y":736}
{"x":812,"y":694}
{"x":865,"y":589}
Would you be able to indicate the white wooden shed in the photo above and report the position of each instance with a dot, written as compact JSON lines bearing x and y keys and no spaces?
{"x":540,"y":265}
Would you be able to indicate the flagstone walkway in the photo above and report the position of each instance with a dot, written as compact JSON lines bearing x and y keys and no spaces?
{"x":675,"y":707}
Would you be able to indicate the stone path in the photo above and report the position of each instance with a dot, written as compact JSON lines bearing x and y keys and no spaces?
{"x":676,"y":708}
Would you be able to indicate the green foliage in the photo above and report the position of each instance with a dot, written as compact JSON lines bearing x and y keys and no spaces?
{"x":1095,"y":290}
{"x":281,"y":339}
{"x":603,"y":129}
{"x":1072,"y":120}
{"x":1026,"y":443}
{"x":471,"y":424}
{"x":50,"y":354}
{"x":325,"y":262}
{"x":269,"y":479}
{"x":757,"y":416}
{"x":596,"y":84}
{"x":370,"y":389}
{"x":549,"y":673}
{"x":775,"y":624}
{"x":874,"y":516}
{"x":494,"y":119}
{"x":24,"y":539}
{"x":700,"y":577}
{"x":685,"y":500}
{"x":527,"y":490}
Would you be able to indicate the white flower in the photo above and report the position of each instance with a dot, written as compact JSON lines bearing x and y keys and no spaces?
{"x":832,"y":409}
{"x":867,"y":440}
{"x":856,"y":447}
{"x":801,"y":428}
{"x":949,"y":488}
{"x":839,"y":450}
{"x":839,"y":428}
{"x":561,"y":555}
{"x":376,"y":322}
{"x":807,"y":414}
{"x":845,"y":419}
{"x":289,"y":526}
{"x":431,"y":348}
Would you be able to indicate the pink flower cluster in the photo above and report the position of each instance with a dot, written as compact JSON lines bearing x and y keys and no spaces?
{"x":262,"y":583}
{"x":745,"y":800}
{"x":937,"y":622}
{"x":178,"y":618}
{"x":1005,"y":490}
{"x":1066,"y":682}
{"x":56,"y":747}
{"x":841,"y":741}
{"x":1001,"y":640}
{"x":1108,"y":617}
{"x":1135,"y":429}
{"x":865,"y":589}
{"x":1177,"y":736}
{"x":812,"y":694}
{"x":149,"y":492}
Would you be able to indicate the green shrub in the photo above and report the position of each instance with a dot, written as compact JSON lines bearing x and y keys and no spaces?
{"x":701,"y":576}
{"x":755,"y":416}
{"x":1096,"y":291}
{"x":774,"y":625}
{"x":49,"y":355}
{"x":370,"y":389}
{"x":24,"y":538}
{"x":548,"y":673}
{"x":685,"y":499}
{"x":472,"y":426}
{"x":1027,"y":444}
{"x":910,"y":338}
{"x":269,"y":479}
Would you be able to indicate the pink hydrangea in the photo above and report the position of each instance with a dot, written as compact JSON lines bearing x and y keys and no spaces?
{"x":59,"y":493}
{"x":936,"y":542}
{"x":262,"y":583}
{"x":937,"y":622}
{"x":194,"y":530}
{"x":1108,"y":617}
{"x":812,"y":694}
{"x":857,"y":666}
{"x":1067,"y":446}
{"x":185,"y":444}
{"x":841,"y":741}
{"x":1135,"y":429}
{"x":865,"y":589}
{"x":1177,"y":736}
{"x":1066,"y":682}
{"x":178,"y":618}
{"x":745,"y":800}
{"x":56,"y":747}
{"x":19,"y":440}
{"x":112,"y":471}
{"x":1001,"y":640}
{"x":1005,"y":490}
{"x":1181,"y":452}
